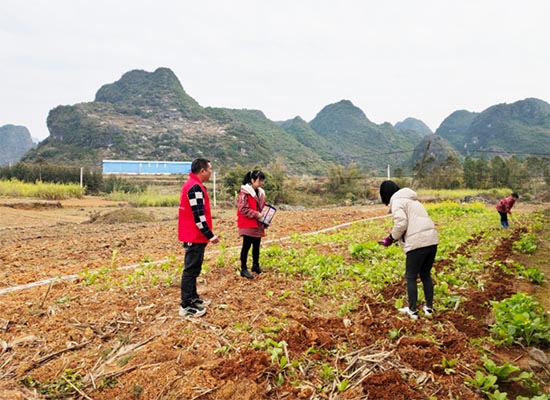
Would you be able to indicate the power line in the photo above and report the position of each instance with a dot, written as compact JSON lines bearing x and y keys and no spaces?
{"x":510,"y":152}
{"x":367,"y":153}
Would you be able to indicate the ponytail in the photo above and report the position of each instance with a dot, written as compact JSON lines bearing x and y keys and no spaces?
{"x":253,"y":174}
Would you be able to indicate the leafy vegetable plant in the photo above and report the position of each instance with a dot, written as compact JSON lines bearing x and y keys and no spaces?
{"x":520,"y":318}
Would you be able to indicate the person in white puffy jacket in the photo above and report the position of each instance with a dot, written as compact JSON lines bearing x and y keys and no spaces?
{"x":416,"y":233}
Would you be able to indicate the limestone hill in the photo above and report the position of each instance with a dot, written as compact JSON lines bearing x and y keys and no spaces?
{"x":149,"y":116}
{"x":15,"y":141}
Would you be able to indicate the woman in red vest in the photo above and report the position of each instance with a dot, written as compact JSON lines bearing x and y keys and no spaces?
{"x":251,"y":202}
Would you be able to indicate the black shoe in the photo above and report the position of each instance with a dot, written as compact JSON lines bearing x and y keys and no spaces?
{"x":257,"y":269}
{"x":201,"y":302}
{"x":246,"y":274}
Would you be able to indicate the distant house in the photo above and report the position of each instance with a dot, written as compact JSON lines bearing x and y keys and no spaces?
{"x":146,"y":167}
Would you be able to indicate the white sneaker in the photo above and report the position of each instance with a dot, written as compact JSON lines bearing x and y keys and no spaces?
{"x":192,"y":311}
{"x":407,"y":311}
{"x":428,"y":311}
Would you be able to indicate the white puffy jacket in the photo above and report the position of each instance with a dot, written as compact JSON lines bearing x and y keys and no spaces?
{"x":412,"y":225}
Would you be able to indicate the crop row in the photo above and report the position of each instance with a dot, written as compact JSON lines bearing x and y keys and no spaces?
{"x":339,"y":267}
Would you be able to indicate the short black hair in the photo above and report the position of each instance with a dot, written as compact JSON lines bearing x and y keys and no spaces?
{"x":515,"y":195}
{"x":198,"y":164}
{"x":254,"y":174}
{"x":387,"y":190}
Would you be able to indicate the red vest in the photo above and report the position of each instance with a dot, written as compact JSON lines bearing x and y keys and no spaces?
{"x":187,"y":230}
{"x":253,"y":203}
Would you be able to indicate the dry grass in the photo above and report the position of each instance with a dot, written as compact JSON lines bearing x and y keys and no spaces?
{"x":121,"y":216}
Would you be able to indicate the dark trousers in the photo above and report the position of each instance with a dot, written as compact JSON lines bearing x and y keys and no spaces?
{"x":194,"y":255}
{"x":503,"y":219}
{"x":419,"y":263}
{"x":255,"y":243}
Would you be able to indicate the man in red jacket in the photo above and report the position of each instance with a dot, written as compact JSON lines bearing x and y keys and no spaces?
{"x":195,"y":231}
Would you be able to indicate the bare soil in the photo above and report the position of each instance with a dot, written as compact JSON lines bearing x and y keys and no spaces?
{"x":131,"y":344}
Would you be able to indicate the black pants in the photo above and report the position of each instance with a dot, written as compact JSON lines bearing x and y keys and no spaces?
{"x":503,"y":219}
{"x":194,"y":255}
{"x":419,"y":263}
{"x":255,"y":243}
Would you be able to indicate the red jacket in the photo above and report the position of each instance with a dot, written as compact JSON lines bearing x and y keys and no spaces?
{"x":249,"y":207}
{"x":194,"y":216}
{"x":505,"y":205}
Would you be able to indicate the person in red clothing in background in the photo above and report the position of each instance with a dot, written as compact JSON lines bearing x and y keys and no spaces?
{"x":251,"y":202}
{"x":504,"y":207}
{"x":195,"y":231}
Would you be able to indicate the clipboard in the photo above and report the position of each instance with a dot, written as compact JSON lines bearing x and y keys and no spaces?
{"x":269,"y":213}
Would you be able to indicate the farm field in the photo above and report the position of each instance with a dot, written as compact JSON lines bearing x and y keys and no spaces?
{"x":322,"y":323}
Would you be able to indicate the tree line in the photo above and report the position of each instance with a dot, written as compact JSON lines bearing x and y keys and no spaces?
{"x":340,"y":183}
{"x":482,"y":173}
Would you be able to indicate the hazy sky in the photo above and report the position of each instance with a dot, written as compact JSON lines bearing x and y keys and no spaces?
{"x":393,"y":59}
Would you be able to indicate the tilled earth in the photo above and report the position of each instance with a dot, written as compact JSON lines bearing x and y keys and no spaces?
{"x":129,"y":343}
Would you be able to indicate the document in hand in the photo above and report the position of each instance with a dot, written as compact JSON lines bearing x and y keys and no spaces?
{"x":269,"y":213}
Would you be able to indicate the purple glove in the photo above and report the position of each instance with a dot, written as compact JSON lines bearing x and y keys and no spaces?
{"x":388,"y":241}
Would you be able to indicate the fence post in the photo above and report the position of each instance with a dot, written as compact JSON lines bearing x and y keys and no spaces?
{"x":214,"y":189}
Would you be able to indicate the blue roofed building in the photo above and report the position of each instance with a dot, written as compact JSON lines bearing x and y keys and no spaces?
{"x":146,"y":167}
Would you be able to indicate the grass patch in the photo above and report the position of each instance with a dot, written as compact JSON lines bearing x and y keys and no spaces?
{"x":460,"y":194}
{"x":147,"y":199}
{"x":40,"y":190}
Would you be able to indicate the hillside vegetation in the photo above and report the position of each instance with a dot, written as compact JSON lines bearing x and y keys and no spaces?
{"x":523,"y":127}
{"x":520,"y":128}
{"x":149,"y":116}
{"x":413,"y":124}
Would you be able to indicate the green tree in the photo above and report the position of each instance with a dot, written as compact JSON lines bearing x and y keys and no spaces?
{"x":399,"y":173}
{"x":500,"y":173}
{"x":275,"y":176}
{"x":477,"y":174}
{"x":483,"y":174}
{"x":518,"y":177}
{"x":537,"y":170}
{"x":275,"y":181}
{"x":346,"y":182}
{"x":448,"y":175}
{"x":232,"y":180}
{"x":469,"y":173}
